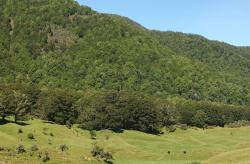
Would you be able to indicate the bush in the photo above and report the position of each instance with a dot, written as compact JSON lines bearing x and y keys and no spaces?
{"x":20,"y":149}
{"x":51,"y":134}
{"x":30,"y":136}
{"x":69,"y":124}
{"x":20,"y":130}
{"x":92,"y":134}
{"x":34,"y":148}
{"x":183,"y":126}
{"x":171,"y":129}
{"x":63,"y":147}
{"x":98,"y":153}
{"x":238,"y":124}
{"x":46,"y":157}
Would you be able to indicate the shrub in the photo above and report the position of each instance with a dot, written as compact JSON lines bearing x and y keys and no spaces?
{"x":30,"y":136}
{"x":34,"y":148}
{"x":46,"y":157}
{"x":51,"y":134}
{"x":98,"y":153}
{"x":183,"y":126}
{"x":20,"y":149}
{"x":107,"y":157}
{"x":92,"y":134}
{"x":238,"y":124}
{"x":171,"y":129}
{"x":69,"y":124}
{"x":63,"y":147}
{"x":20,"y":130}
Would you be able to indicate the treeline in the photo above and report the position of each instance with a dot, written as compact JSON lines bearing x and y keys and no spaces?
{"x":113,"y":110}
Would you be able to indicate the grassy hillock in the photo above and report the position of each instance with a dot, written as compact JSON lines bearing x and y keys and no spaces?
{"x":216,"y":145}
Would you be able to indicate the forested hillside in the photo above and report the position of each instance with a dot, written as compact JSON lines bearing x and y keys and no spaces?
{"x":60,"y":44}
{"x":231,"y":64}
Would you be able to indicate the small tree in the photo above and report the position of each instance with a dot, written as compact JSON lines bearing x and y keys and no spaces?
{"x":63,"y":147}
{"x":20,"y":130}
{"x":46,"y":157}
{"x":99,"y":153}
{"x":20,"y":149}
{"x":21,"y":104}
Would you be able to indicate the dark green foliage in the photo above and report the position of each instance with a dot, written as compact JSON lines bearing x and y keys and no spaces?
{"x":60,"y":44}
{"x":169,"y":115}
{"x":207,"y":113}
{"x":238,"y":124}
{"x":122,"y":110}
{"x":20,"y":149}
{"x":68,"y":64}
{"x":199,"y":119}
{"x":227,"y":65}
{"x":14,"y":101}
{"x":57,"y":106}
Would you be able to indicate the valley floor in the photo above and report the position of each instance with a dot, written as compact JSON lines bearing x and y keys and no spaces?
{"x":210,"y":146}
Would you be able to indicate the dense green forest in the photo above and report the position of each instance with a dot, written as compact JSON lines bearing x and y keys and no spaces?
{"x":69,"y":64}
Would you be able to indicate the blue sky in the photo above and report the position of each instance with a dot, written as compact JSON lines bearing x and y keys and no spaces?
{"x":223,"y":20}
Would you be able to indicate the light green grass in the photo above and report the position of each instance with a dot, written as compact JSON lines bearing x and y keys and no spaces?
{"x":218,"y":145}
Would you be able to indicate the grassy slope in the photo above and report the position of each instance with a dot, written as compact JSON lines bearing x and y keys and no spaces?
{"x":209,"y":146}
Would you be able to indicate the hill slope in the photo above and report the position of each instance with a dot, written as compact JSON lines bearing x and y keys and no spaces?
{"x":60,"y":44}
{"x":209,"y":146}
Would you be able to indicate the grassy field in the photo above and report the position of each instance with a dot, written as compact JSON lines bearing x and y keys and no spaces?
{"x":217,"y":145}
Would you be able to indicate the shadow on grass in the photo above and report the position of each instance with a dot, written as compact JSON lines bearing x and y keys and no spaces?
{"x":48,"y":122}
{"x":3,"y":122}
{"x":117,"y":130}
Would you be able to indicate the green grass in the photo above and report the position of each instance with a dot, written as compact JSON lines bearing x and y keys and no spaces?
{"x":217,"y":145}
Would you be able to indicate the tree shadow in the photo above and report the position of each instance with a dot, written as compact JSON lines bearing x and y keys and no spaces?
{"x":117,"y":130}
{"x":3,"y":122}
{"x":48,"y":122}
{"x":21,"y":123}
